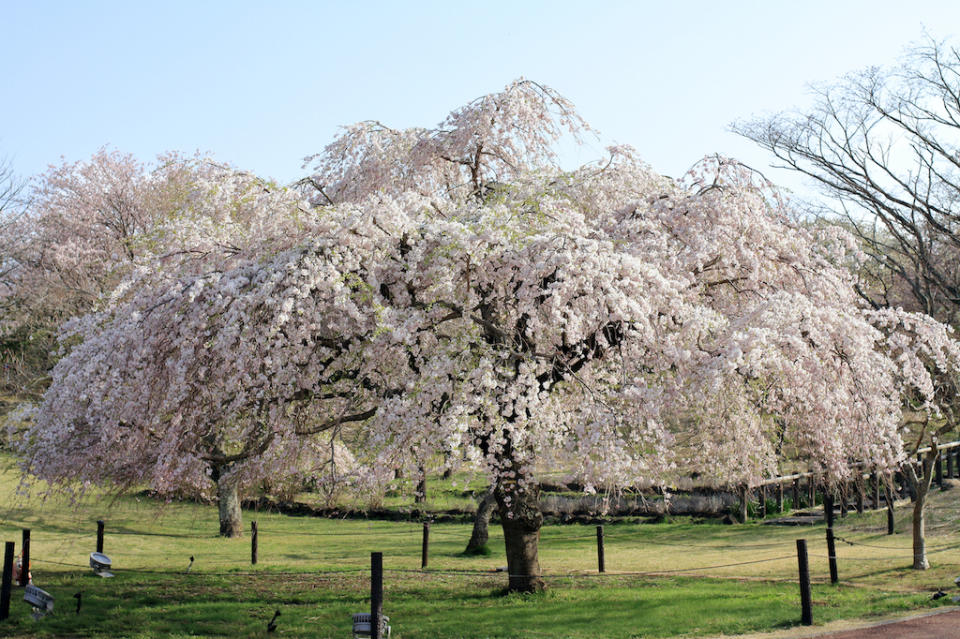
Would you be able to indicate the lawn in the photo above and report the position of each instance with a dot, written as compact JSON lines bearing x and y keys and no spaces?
{"x":667,"y":579}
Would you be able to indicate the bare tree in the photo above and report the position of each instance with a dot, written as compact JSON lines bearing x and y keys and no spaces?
{"x":885,"y":145}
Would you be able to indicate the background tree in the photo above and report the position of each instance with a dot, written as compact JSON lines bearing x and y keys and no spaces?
{"x":13,"y":206}
{"x":102,"y":228}
{"x":883,"y":145}
{"x":66,"y":251}
{"x":884,"y":148}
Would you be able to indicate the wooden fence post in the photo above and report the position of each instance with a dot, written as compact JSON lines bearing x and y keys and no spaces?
{"x":25,"y":558}
{"x":7,"y":582}
{"x":939,"y":471}
{"x":744,"y":496}
{"x":860,"y":495}
{"x":100,"y":535}
{"x":806,"y":615}
{"x":425,"y":549}
{"x":780,"y":497}
{"x":796,"y":493}
{"x":828,"y":506}
{"x":254,"y":531}
{"x":600,"y":554}
{"x":832,"y":555}
{"x":949,"y":455}
{"x":376,"y":594}
{"x":762,"y":496}
{"x":876,"y":490}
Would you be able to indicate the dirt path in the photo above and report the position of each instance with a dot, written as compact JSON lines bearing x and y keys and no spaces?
{"x":943,"y":623}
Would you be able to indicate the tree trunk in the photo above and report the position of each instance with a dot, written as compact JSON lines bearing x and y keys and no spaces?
{"x":481,"y":521}
{"x":920,"y":486}
{"x":228,"y":502}
{"x":919,"y":536}
{"x":521,"y":519}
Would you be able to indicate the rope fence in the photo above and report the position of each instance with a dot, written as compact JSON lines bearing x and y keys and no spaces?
{"x":316,"y":561}
{"x":209,"y":563}
{"x":227,"y":565}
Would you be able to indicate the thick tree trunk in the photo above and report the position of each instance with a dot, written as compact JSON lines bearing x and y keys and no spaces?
{"x":228,"y":502}
{"x":521,"y":519}
{"x":481,"y":522}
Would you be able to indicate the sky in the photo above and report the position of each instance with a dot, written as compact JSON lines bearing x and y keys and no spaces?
{"x":262,"y":85}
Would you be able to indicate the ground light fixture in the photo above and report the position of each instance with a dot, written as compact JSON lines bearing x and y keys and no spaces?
{"x":101,"y":564}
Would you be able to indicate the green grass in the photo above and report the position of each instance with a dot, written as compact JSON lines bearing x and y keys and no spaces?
{"x":713,"y":578}
{"x":320,"y":606}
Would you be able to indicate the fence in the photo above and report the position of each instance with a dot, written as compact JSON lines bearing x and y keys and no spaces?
{"x":608,"y":564}
{"x":853,"y":493}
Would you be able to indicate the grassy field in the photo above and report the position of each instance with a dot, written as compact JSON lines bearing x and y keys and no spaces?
{"x":668,"y":579}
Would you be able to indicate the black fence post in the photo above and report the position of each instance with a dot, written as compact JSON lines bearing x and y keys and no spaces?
{"x":744,"y":497}
{"x":949,"y":455}
{"x":254,"y":532}
{"x":100,"y":535}
{"x":376,"y":594}
{"x":601,"y":566}
{"x":828,"y":506}
{"x":806,"y":615}
{"x":7,"y":582}
{"x":832,"y":555}
{"x":25,"y":558}
{"x":425,"y":549}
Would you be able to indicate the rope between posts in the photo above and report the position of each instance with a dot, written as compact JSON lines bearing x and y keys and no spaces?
{"x":657,"y":542}
{"x":588,"y":575}
{"x":739,"y":563}
{"x":929,"y":548}
{"x":855,"y":558}
{"x":204,"y":573}
{"x":428,"y":572}
{"x":597,"y":575}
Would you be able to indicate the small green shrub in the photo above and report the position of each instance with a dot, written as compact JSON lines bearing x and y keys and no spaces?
{"x":482,"y":551}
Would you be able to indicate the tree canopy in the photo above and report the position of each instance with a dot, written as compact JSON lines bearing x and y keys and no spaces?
{"x":451,"y":293}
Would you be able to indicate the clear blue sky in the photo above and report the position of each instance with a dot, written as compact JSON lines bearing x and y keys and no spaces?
{"x":261,"y":84}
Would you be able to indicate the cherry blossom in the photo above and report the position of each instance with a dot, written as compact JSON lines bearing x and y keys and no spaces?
{"x":452,"y":295}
